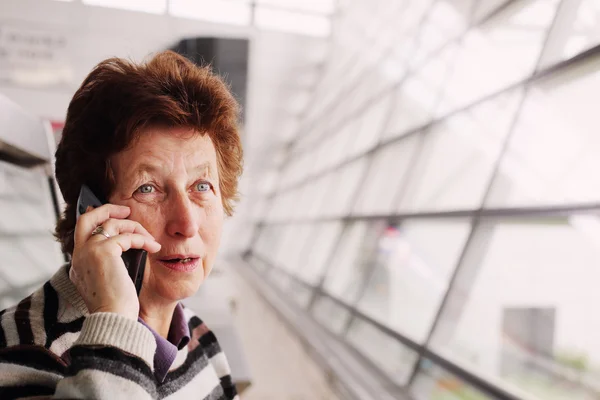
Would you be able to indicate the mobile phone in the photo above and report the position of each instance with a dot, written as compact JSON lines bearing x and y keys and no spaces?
{"x":134,"y":259}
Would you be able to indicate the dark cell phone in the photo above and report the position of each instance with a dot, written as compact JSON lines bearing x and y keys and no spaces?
{"x":134,"y":259}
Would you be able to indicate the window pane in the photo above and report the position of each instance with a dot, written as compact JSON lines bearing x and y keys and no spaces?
{"x":485,"y":7}
{"x":576,"y":29}
{"x":384,"y":351}
{"x":225,"y":12}
{"x":386,"y":177}
{"x":317,"y":6}
{"x":292,"y":21}
{"x":498,"y":53}
{"x":19,"y":264}
{"x":268,"y":241}
{"x":413,"y":264}
{"x":259,"y":264}
{"x":520,"y":307}
{"x":27,"y":219}
{"x":417,"y":97}
{"x":445,"y":21}
{"x":313,"y":196}
{"x":434,"y":382}
{"x":317,"y":251}
{"x":330,"y":314}
{"x":371,"y":124}
{"x":292,"y":245}
{"x":351,"y":261}
{"x":279,"y":279}
{"x":299,"y":293}
{"x":149,"y":6}
{"x":458,"y":157}
{"x":552,"y":157}
{"x":342,"y":192}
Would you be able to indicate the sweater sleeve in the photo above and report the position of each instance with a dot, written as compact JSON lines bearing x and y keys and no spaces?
{"x":111,"y":359}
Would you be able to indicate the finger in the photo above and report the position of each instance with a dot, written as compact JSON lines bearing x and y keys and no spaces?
{"x":90,"y":220}
{"x":115,"y":227}
{"x":127,"y":241}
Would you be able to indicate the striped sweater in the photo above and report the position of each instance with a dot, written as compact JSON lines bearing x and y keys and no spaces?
{"x":50,"y":346}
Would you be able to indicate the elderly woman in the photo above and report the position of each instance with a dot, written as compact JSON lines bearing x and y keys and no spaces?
{"x":159,"y":143}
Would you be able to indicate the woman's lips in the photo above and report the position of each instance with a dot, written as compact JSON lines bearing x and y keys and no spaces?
{"x":180,"y":266}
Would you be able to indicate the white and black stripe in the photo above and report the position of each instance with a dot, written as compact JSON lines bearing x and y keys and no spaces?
{"x":38,"y":356}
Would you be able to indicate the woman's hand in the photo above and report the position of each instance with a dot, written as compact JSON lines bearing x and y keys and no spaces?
{"x":97,"y":269}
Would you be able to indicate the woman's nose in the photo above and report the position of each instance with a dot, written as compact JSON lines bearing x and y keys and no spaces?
{"x":182,"y":219}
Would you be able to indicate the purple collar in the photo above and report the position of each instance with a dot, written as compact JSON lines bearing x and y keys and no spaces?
{"x":166,"y":349}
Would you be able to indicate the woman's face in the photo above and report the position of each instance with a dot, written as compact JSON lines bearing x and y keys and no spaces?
{"x":169,"y":179}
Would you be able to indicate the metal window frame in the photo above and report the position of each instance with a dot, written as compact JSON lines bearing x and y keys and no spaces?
{"x":477,"y":215}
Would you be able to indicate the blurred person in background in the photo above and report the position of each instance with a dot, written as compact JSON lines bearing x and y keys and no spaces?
{"x":159,"y":141}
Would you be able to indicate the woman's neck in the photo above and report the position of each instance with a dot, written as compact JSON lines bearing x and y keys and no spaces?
{"x":157,"y":316}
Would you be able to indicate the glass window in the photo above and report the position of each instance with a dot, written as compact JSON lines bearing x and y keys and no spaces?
{"x":293,"y":244}
{"x":317,"y":251}
{"x":279,"y":279}
{"x":320,"y":155}
{"x":302,"y":200}
{"x":292,"y":21}
{"x":320,"y":194}
{"x":259,"y":208}
{"x":498,"y":53}
{"x":418,"y":95}
{"x":351,"y":261}
{"x":521,"y":308}
{"x":413,"y":263}
{"x":20,"y":266}
{"x":316,"y":6}
{"x":434,"y":382}
{"x":552,"y":157}
{"x":331,"y":315}
{"x":384,"y":351}
{"x":299,"y":293}
{"x":225,"y":12}
{"x":342,"y":141}
{"x":458,"y":156}
{"x":344,"y":188}
{"x":371,"y":125}
{"x":30,"y":254}
{"x":576,"y":29}
{"x":149,"y":6}
{"x":259,"y":264}
{"x":267,"y":242}
{"x":446,"y":20}
{"x":386,"y":176}
{"x":486,"y":7}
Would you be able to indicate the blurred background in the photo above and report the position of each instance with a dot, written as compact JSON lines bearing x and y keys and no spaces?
{"x":420,"y":204}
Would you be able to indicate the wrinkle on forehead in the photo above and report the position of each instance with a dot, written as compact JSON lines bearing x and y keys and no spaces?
{"x":160,"y":154}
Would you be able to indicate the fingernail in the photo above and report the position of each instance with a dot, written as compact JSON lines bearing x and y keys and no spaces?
{"x":89,"y":208}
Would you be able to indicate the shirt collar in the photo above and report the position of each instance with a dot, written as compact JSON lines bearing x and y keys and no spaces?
{"x":179,"y":331}
{"x":166,"y":349}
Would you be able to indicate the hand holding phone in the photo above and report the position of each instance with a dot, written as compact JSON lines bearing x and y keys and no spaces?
{"x":98,"y":268}
{"x":134,"y":259}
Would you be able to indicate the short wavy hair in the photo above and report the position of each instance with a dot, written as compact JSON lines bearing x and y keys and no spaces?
{"x":118,"y":99}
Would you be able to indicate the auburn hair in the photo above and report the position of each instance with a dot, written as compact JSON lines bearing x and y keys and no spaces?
{"x":113,"y":105}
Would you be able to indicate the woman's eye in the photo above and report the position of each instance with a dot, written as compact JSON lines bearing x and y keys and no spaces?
{"x":146,"y":189}
{"x":203,"y":187}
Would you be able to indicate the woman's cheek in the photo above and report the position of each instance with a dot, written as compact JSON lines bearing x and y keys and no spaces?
{"x":150,"y":217}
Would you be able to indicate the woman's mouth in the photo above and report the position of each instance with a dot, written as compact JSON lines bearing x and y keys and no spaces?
{"x":186,"y":264}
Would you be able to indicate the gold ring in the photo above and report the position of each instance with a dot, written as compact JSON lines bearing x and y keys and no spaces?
{"x":100,"y":231}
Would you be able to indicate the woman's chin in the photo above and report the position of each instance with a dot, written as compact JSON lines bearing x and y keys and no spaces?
{"x":175,"y":285}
